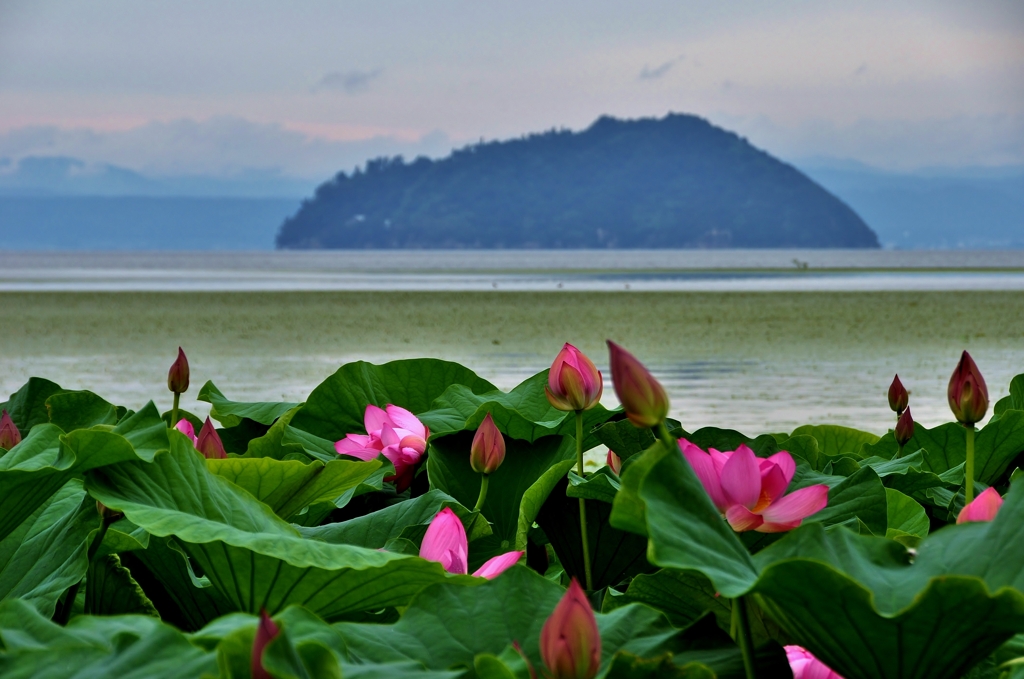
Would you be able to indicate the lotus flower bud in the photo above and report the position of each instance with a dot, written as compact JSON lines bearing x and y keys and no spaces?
{"x":570,"y":643}
{"x":574,"y":382}
{"x":982,"y":508}
{"x":642,"y":397}
{"x":968,"y":395}
{"x":186,"y":428}
{"x":177,"y":376}
{"x":614,"y":462}
{"x":904,"y":428}
{"x":898,"y":396}
{"x":9,"y":434}
{"x":209,"y":443}
{"x":488,"y":449}
{"x":265,"y":632}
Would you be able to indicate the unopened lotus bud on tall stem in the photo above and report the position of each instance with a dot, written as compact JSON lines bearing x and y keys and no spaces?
{"x":486,"y":454}
{"x":899,"y":398}
{"x":574,"y":385}
{"x":968,"y":399}
{"x":177,"y":382}
{"x":904,"y":430}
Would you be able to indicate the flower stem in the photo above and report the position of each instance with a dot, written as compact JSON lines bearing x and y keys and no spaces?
{"x":583,"y":504}
{"x":969,"y":467}
{"x":484,"y":479}
{"x":741,"y":629}
{"x":64,"y":613}
{"x":174,"y":410}
{"x":665,"y":435}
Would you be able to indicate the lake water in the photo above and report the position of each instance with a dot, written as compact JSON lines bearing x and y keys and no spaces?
{"x":747,"y":339}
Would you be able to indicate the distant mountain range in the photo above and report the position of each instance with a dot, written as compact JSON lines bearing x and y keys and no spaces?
{"x":674,"y":182}
{"x":65,"y":203}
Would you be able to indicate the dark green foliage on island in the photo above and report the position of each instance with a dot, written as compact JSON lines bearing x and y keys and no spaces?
{"x":677,"y":182}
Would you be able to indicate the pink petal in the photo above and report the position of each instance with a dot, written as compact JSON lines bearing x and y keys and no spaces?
{"x":806,"y":666}
{"x":414,"y":442}
{"x":741,"y":478}
{"x":403,"y":419}
{"x":797,"y":505}
{"x":773,"y":485}
{"x":445,"y":542}
{"x":360,"y":453}
{"x":982,"y":508}
{"x":374,"y":418}
{"x":388,"y":435}
{"x":784,"y":461}
{"x":495,"y":566}
{"x":705,"y":470}
{"x":742,"y":519}
{"x":719,"y":459}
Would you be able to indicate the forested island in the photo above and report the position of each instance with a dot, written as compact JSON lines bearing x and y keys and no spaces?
{"x":673,"y":182}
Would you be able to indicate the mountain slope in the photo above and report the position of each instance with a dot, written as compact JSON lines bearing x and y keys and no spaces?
{"x":672,"y":182}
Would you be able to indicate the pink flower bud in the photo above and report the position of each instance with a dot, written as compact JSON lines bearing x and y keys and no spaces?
{"x":574,"y":382}
{"x":806,"y":666}
{"x":614,"y":462}
{"x":177,"y":376}
{"x":209,"y":443}
{"x":186,"y":428}
{"x":265,"y":632}
{"x":9,"y":434}
{"x":570,"y":643}
{"x":968,"y":395}
{"x":904,"y":428}
{"x":982,"y":508}
{"x":642,"y":397}
{"x":488,"y":449}
{"x":898,"y":396}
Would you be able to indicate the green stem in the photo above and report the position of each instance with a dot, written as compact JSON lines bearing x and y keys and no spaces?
{"x":174,"y":410}
{"x":583,"y":505}
{"x":969,"y":468}
{"x":64,"y":613}
{"x":741,"y":629}
{"x":665,"y":436}
{"x":899,"y":451}
{"x":484,"y":479}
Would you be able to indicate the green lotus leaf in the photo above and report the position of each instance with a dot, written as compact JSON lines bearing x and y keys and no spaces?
{"x":289,"y":486}
{"x":27,"y":406}
{"x":254,"y":558}
{"x":72,"y":410}
{"x":231,"y":413}
{"x":96,"y":647}
{"x":1014,"y":400}
{"x":46,"y":553}
{"x":336,"y":406}
{"x":834,"y":440}
{"x":111,"y":590}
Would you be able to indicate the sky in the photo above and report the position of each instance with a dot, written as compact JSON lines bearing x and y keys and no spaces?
{"x":222,"y":87}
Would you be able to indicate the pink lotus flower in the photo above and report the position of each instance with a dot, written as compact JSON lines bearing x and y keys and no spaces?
{"x":982,"y":508}
{"x":570,"y":642}
{"x":806,"y":666}
{"x":186,"y":428}
{"x":748,"y":490}
{"x":574,"y":382}
{"x":614,"y":462}
{"x":208,"y":442}
{"x":446,"y":543}
{"x":265,"y":632}
{"x":394,"y":433}
{"x":642,"y":397}
{"x":9,"y":434}
{"x":488,"y":449}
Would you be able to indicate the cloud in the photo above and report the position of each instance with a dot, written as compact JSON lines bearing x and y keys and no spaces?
{"x":648,"y":73}
{"x":349,"y":82}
